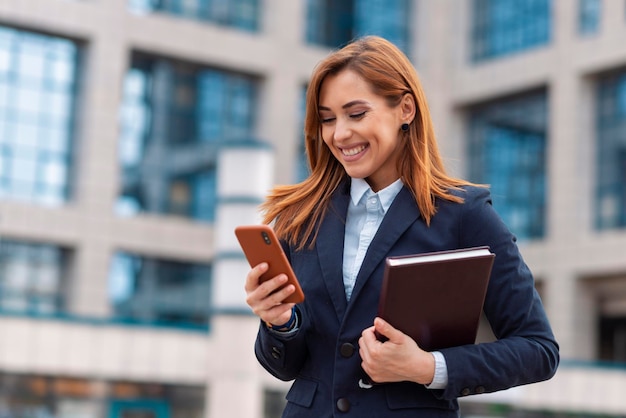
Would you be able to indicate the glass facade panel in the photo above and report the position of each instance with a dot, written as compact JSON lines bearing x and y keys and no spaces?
{"x":502,"y":27}
{"x":149,"y":290}
{"x":611,"y":152}
{"x":31,"y":277}
{"x":610,"y":313}
{"x":37,"y":93}
{"x":174,"y":117}
{"x":507,"y":150}
{"x":241,"y":14}
{"x":612,"y":339}
{"x":26,"y":395}
{"x":335,"y":23}
{"x":589,"y":14}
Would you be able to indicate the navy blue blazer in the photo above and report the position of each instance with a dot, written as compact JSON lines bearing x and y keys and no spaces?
{"x":322,"y":356}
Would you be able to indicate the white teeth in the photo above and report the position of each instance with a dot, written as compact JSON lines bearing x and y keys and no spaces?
{"x":353,"y":151}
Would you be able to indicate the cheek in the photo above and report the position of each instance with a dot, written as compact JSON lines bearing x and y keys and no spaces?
{"x":328,"y":141}
{"x":389,"y":139}
{"x":327,"y":135}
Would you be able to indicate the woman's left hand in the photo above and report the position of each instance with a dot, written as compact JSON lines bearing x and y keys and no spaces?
{"x":395,"y":360}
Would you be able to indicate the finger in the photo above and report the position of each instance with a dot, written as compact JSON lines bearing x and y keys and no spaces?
{"x":366,"y":341}
{"x":278,"y":314}
{"x":270,"y":286}
{"x":363,"y":351}
{"x":384,"y":328}
{"x":268,"y":295}
{"x":269,"y":307}
{"x":264,"y":299}
{"x":277,"y":297}
{"x":368,"y":336}
{"x":252,"y":279}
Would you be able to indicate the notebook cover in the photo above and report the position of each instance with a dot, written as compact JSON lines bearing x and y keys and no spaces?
{"x":437,"y":303}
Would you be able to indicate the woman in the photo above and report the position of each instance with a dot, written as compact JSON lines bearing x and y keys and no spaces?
{"x":378,"y":188}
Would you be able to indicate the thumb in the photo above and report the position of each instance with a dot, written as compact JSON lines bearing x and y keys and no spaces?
{"x":384,"y":328}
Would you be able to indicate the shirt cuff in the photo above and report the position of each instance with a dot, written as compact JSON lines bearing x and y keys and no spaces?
{"x":440,"y":380}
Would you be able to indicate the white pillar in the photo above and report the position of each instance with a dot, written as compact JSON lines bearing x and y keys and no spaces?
{"x":245,"y":175}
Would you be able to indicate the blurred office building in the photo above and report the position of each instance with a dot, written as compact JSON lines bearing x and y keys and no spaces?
{"x":136,"y":134}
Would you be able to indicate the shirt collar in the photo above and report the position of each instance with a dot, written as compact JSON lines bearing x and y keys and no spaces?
{"x":358,"y":188}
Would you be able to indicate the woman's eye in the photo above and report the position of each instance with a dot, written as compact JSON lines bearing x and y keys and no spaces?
{"x":358,"y":115}
{"x":327,"y":120}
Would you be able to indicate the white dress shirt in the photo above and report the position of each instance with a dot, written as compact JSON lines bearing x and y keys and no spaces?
{"x":365,"y":214}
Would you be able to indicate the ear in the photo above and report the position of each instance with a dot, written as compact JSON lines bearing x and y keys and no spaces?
{"x":407,"y":108}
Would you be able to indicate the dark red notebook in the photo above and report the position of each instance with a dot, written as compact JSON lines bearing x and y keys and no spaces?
{"x":436,"y":298}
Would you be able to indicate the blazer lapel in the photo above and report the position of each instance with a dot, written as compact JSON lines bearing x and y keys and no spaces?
{"x":330,"y":247}
{"x":401,"y":214}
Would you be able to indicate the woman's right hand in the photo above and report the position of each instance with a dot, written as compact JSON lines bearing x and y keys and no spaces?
{"x":260,"y":297}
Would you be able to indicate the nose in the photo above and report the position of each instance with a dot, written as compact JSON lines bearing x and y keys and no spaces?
{"x":342,"y":131}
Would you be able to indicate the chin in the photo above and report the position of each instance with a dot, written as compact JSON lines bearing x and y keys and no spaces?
{"x":357,"y":175}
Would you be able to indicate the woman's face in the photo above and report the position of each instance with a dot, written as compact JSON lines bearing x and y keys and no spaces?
{"x":361,"y":130}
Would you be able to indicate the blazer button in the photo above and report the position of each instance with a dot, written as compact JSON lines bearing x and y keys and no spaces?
{"x":346,"y":350}
{"x":343,"y":405}
{"x":479,"y":389}
{"x":465,"y":392}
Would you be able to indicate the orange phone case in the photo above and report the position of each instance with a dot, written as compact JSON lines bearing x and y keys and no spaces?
{"x":260,"y":244}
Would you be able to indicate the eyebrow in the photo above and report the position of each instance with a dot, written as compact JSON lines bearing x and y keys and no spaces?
{"x":347,"y":105}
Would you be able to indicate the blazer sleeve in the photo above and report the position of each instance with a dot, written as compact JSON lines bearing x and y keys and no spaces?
{"x":282,"y":355}
{"x":526,"y":350}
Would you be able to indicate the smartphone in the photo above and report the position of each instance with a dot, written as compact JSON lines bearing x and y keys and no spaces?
{"x":260,"y":244}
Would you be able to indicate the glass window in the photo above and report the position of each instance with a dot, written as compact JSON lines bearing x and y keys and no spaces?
{"x":501,"y":27}
{"x":507,"y":150}
{"x":31,"y":277}
{"x":589,"y":14}
{"x":194,"y":196}
{"x":241,"y":14}
{"x":612,"y":338}
{"x":26,"y":395}
{"x":37,"y":93}
{"x":335,"y":23}
{"x":611,"y":151}
{"x":143,"y":289}
{"x":609,"y":294}
{"x":174,"y":117}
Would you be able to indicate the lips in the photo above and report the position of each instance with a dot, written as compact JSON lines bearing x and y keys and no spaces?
{"x":349,"y":152}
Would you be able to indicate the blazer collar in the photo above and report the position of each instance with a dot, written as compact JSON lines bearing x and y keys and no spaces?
{"x":330,"y":246}
{"x":402,"y":213}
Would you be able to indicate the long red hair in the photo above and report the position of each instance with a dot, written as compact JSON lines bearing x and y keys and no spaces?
{"x":296,"y":209}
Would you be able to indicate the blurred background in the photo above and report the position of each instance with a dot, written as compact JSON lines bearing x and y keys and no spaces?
{"x":135,"y":134}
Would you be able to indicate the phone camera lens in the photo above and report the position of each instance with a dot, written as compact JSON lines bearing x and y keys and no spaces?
{"x":266,"y":238}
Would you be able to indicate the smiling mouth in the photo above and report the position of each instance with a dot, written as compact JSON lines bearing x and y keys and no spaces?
{"x":348,"y":152}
